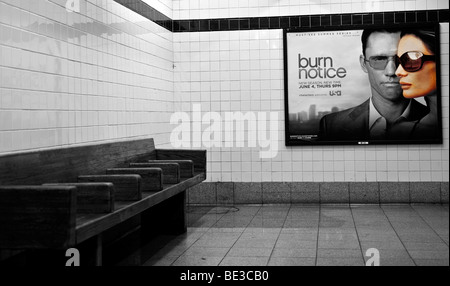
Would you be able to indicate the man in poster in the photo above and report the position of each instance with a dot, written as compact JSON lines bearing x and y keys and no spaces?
{"x":386,"y":114}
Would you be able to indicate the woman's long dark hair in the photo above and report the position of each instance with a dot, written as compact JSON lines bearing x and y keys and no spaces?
{"x":428,"y":37}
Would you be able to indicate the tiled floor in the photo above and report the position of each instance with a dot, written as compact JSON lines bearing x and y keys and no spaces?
{"x":307,"y":235}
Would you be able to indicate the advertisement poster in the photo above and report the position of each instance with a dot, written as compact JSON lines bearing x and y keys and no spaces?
{"x":330,"y":84}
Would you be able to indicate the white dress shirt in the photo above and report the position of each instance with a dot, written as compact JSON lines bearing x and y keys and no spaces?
{"x":378,"y":124}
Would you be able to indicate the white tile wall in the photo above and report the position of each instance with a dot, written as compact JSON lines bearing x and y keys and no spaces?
{"x":243,"y":71}
{"x":199,"y":9}
{"x":105,"y":74}
{"x":68,"y":78}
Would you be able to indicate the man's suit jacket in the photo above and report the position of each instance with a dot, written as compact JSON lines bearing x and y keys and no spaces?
{"x":353,"y":123}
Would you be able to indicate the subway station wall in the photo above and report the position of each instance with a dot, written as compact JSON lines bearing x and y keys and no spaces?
{"x":103,"y":73}
{"x":107,"y":74}
{"x":239,"y":70}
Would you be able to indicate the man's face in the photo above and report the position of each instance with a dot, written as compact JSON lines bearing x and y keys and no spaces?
{"x":384,"y":83}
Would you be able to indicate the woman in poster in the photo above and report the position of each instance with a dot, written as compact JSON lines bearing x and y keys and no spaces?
{"x":417,"y":73}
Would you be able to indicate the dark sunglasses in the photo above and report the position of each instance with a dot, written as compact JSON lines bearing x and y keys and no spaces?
{"x":413,"y":61}
{"x":410,"y":61}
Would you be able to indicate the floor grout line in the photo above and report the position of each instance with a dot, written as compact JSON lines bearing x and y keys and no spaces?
{"x":401,"y":241}
{"x":357,"y":236}
{"x":317,"y":239}
{"x":429,"y":225}
{"x":259,"y":208}
{"x":279,"y":233}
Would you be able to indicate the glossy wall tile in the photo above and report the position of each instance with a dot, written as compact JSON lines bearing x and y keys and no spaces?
{"x":101,"y":73}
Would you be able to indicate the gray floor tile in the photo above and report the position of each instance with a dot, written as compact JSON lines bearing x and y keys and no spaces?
{"x":186,"y":260}
{"x":262,"y":230}
{"x":426,"y":246}
{"x":432,"y":262}
{"x":333,"y":244}
{"x":420,"y":237}
{"x":382,"y":245}
{"x":304,"y":236}
{"x":292,"y":244}
{"x":340,"y":261}
{"x":339,"y":253}
{"x":226,"y":242}
{"x":255,"y":243}
{"x":301,"y":223}
{"x":428,"y":254}
{"x":393,"y":254}
{"x":222,"y":235}
{"x":249,"y":252}
{"x":300,"y":229}
{"x":337,"y":236}
{"x":397,"y":262}
{"x":291,"y":261}
{"x":206,"y":251}
{"x":378,"y":237}
{"x":160,"y":261}
{"x":231,"y":224}
{"x":244,"y":261}
{"x":294,"y":252}
{"x":257,"y":222}
{"x":225,"y":230}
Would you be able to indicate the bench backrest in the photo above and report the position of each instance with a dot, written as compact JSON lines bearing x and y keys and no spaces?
{"x":66,"y":164}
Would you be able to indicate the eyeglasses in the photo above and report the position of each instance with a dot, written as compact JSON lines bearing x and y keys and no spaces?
{"x":380,"y":62}
{"x":413,"y":61}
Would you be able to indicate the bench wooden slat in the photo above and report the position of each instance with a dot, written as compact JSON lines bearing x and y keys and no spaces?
{"x":92,"y":197}
{"x":152,"y":178}
{"x":127,"y":187}
{"x":186,"y":166}
{"x":170,"y":171}
{"x":37,"y":217}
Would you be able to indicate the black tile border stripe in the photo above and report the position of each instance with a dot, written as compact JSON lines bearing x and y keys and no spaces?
{"x":284,"y":22}
{"x":148,"y":12}
{"x":310,"y":21}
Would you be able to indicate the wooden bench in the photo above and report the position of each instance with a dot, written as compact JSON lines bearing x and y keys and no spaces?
{"x":72,"y":197}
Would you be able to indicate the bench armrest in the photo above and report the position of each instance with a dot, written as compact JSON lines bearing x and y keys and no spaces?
{"x":170,"y":171}
{"x":197,"y":156}
{"x":37,"y":217}
{"x":186,"y":166}
{"x":95,"y":198}
{"x":152,"y":178}
{"x":126,"y":187}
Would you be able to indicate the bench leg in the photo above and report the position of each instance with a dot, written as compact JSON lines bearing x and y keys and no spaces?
{"x":176,"y":222}
{"x":167,"y":217}
{"x":99,"y":251}
{"x":91,"y":251}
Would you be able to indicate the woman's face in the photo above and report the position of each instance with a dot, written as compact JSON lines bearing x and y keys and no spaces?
{"x":421,"y":82}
